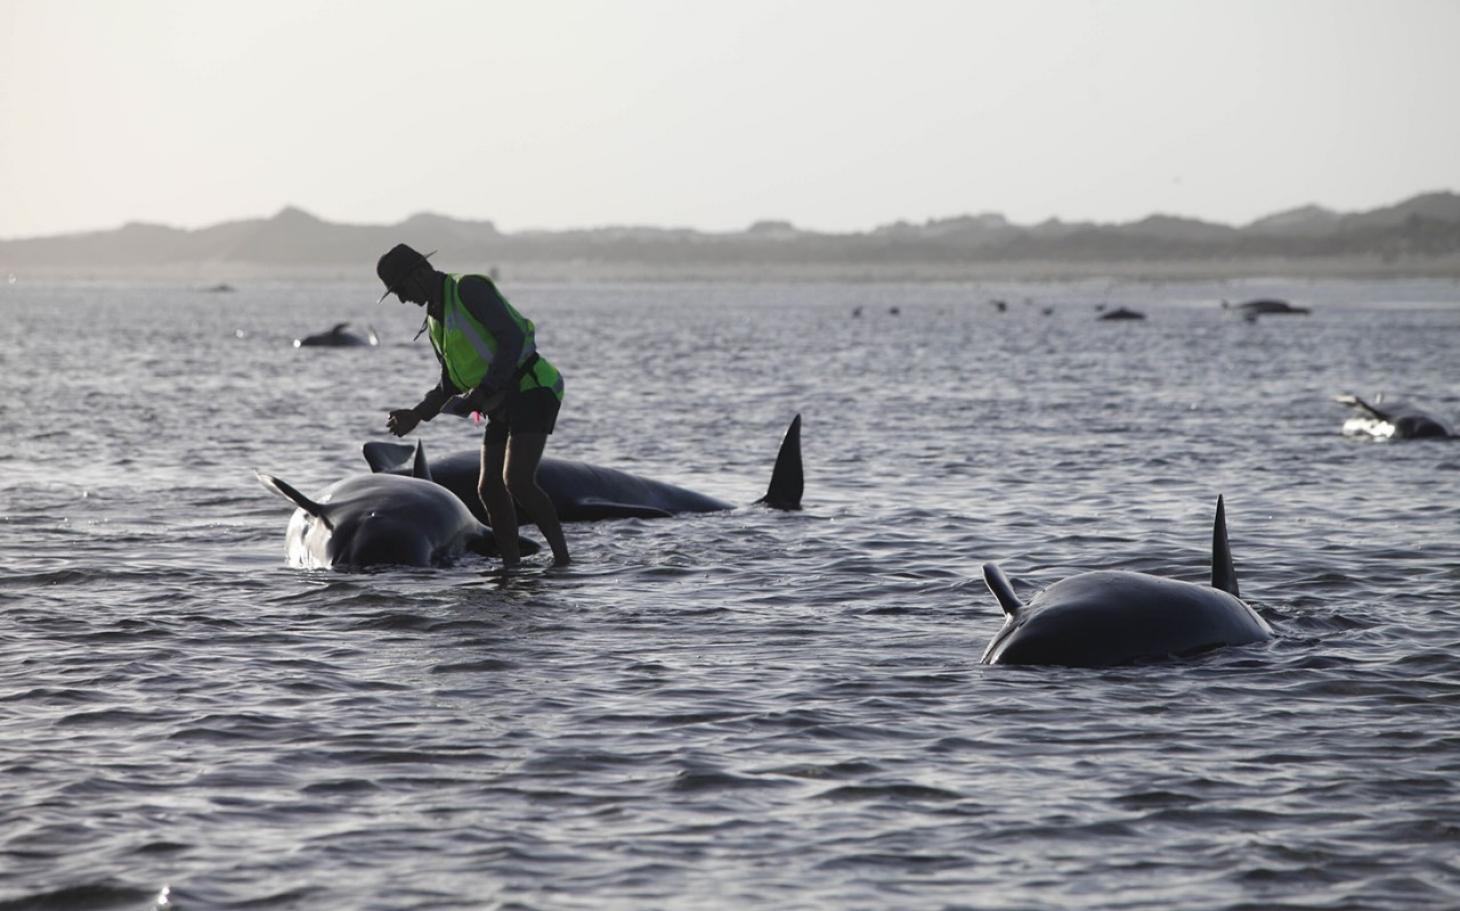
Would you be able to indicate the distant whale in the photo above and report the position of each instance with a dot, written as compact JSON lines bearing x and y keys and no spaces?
{"x":337,"y":337}
{"x":1392,"y":420}
{"x":1099,"y":619}
{"x":1120,"y":313}
{"x":1265,"y":306}
{"x":372,"y":520}
{"x":582,"y":492}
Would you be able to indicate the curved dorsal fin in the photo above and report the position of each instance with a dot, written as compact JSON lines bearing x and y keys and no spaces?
{"x":998,"y":583}
{"x":1224,"y":574}
{"x":787,"y":481}
{"x":293,"y":496}
{"x":337,"y":328}
{"x":419,"y":468}
{"x":390,"y":457}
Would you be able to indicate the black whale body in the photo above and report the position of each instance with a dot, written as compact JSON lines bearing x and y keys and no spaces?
{"x":1106,"y":618}
{"x":337,"y":337}
{"x":583,"y":492}
{"x":1265,"y":306}
{"x":1389,"y":419}
{"x":373,"y":520}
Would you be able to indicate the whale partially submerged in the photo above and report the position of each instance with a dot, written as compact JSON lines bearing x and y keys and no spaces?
{"x":1392,"y":420}
{"x":1264,"y":306}
{"x":582,"y":492}
{"x":1100,"y":619}
{"x":337,"y":337}
{"x":372,"y":520}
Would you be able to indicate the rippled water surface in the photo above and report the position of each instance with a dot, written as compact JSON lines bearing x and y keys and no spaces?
{"x":749,"y":709}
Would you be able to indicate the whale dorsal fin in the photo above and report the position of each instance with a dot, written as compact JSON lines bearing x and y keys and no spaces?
{"x":390,"y":458}
{"x":998,"y":583}
{"x":787,"y":481}
{"x":293,"y":496}
{"x":339,"y":328}
{"x":419,"y":468}
{"x":1224,"y":574}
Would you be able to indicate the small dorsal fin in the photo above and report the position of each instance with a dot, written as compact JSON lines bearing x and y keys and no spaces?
{"x":998,"y":583}
{"x":338,"y":328}
{"x":1224,"y":574}
{"x":419,"y":468}
{"x":293,"y":496}
{"x":787,"y":480}
{"x":388,"y":457}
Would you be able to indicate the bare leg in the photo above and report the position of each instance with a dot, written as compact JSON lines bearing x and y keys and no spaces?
{"x":524,"y":452}
{"x":492,"y":488}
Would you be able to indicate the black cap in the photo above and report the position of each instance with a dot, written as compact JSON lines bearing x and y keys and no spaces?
{"x":398,"y":263}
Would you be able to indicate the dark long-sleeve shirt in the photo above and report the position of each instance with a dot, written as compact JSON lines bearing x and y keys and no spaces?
{"x":486,"y":305}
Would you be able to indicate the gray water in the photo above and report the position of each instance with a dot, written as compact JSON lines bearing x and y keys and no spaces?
{"x":748,"y":709}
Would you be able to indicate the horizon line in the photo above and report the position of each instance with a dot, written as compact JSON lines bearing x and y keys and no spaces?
{"x":603,"y":226}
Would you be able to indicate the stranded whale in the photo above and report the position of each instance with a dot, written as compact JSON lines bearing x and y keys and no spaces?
{"x":582,"y":492}
{"x":1392,"y":420}
{"x":372,"y":520}
{"x":1098,"y":619}
{"x":1264,"y":306}
{"x":337,"y":337}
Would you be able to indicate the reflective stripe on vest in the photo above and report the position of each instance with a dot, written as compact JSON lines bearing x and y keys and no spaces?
{"x":467,"y":348}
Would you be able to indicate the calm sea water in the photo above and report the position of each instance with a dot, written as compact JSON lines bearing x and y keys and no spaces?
{"x":748,"y":709}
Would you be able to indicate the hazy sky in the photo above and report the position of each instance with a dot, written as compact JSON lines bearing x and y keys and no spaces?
{"x":837,"y":115}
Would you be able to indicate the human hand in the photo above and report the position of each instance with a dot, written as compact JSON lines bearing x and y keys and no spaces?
{"x":402,"y":421}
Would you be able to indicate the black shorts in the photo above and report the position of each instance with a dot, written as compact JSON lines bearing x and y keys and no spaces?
{"x":533,"y":411}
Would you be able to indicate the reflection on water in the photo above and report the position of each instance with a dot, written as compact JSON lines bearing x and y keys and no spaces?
{"x":738,"y":709}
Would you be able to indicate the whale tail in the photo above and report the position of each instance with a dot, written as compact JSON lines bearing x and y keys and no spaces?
{"x":998,"y":583}
{"x":787,"y":480}
{"x":1224,"y":574}
{"x":1354,"y":401}
{"x":293,"y":496}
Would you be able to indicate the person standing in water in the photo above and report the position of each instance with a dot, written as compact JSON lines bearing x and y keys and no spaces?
{"x":488,"y":352}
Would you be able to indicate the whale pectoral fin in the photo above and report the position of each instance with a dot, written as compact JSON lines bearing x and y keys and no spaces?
{"x":293,"y":496}
{"x":787,"y":479}
{"x":592,"y":509}
{"x":998,"y":583}
{"x":389,"y":458}
{"x":1224,"y":574}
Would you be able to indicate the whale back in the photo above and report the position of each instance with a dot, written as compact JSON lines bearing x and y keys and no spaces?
{"x":1104,"y":618}
{"x":1107,"y":618}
